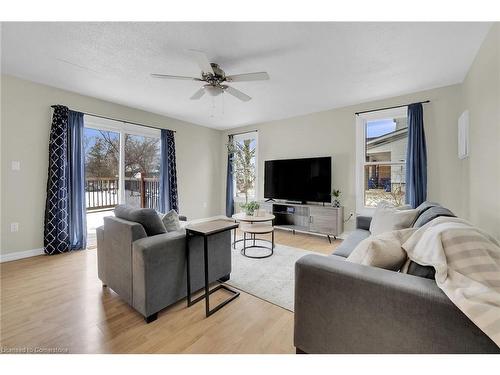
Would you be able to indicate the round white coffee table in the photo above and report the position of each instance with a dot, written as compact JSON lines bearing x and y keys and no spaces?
{"x":253,"y":230}
{"x":242,"y":217}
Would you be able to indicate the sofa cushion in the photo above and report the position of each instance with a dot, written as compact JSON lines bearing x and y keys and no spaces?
{"x":416,"y":269}
{"x":383,"y":250}
{"x":351,"y":241}
{"x":430,"y":214}
{"x":387,"y":218}
{"x":363,"y":222}
{"x":412,"y":268}
{"x":147,"y":217}
{"x":425,"y":206}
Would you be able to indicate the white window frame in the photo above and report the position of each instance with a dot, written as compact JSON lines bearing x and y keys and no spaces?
{"x":122,"y":128}
{"x":361,"y":121}
{"x":241,"y":137}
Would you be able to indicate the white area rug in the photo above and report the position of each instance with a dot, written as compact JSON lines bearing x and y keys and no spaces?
{"x":271,"y":279}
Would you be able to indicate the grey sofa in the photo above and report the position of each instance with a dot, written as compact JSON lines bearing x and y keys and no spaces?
{"x":343,"y":307}
{"x":149,"y":272}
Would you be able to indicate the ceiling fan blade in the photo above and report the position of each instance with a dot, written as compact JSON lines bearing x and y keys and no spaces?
{"x":259,"y":76}
{"x":198,"y":94}
{"x":237,"y":94}
{"x":202,"y":61}
{"x":166,"y":76}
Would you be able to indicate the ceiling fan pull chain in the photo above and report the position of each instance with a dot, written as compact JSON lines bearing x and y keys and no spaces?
{"x":212,"y":109}
{"x":223,"y":103}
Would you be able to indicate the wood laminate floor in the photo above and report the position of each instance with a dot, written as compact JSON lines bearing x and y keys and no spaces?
{"x":58,"y":302}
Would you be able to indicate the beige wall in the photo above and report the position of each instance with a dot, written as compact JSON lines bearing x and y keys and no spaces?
{"x":25,"y":124}
{"x":332,"y":133}
{"x":481,"y":171}
{"x":469,"y":187}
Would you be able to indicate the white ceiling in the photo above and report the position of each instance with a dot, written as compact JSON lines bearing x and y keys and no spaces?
{"x":313,"y":66}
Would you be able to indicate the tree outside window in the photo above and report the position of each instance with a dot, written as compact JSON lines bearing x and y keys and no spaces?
{"x":244,"y":168}
{"x":141,"y":172}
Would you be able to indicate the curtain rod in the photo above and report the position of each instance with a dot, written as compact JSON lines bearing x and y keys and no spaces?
{"x":115,"y":119}
{"x":396,"y":106}
{"x":249,"y":131}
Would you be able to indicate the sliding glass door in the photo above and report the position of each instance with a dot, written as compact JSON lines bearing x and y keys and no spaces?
{"x":101,"y":168}
{"x":142,"y":171}
{"x":122,"y":165}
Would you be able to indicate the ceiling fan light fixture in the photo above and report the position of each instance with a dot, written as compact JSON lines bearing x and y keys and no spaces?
{"x":213,"y":90}
{"x":214,"y":77}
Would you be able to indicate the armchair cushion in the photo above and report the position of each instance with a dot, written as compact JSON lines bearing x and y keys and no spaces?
{"x":171,"y":221}
{"x":147,"y":217}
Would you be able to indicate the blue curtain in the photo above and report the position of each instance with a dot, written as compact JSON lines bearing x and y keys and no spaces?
{"x":229,"y":182}
{"x":65,"y":227}
{"x":76,"y":182}
{"x":416,"y":157}
{"x":168,"y":173}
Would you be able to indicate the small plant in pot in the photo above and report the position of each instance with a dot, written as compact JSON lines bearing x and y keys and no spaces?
{"x":250,"y":207}
{"x":336,"y":197}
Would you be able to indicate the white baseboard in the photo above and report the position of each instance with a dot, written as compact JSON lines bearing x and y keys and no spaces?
{"x":206,"y":219}
{"x":16,"y":255}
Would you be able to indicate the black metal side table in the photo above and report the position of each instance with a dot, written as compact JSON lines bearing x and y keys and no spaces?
{"x":206,"y":229}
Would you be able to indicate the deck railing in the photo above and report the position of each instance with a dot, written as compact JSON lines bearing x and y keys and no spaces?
{"x":102,"y":192}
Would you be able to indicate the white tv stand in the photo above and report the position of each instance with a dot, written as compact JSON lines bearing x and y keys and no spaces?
{"x":314,"y":218}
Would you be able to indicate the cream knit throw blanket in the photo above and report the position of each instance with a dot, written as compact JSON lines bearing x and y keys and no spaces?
{"x":467,"y":264}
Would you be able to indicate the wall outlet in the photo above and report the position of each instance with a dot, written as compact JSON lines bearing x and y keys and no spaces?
{"x":205,"y":205}
{"x":16,"y":165}
{"x":14,"y":227}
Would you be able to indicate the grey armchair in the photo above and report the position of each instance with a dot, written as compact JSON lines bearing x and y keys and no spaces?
{"x":149,"y":273}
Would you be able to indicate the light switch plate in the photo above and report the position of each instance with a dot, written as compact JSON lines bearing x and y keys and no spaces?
{"x":16,"y":165}
{"x":14,"y":227}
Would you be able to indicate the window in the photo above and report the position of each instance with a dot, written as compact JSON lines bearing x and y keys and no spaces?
{"x":382,"y":138}
{"x":245,"y":167}
{"x":122,"y":164}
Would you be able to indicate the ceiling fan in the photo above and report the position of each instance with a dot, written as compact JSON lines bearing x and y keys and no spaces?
{"x":215,"y":78}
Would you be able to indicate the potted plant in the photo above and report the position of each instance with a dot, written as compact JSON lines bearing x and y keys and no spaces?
{"x":250,"y":207}
{"x":336,"y":196}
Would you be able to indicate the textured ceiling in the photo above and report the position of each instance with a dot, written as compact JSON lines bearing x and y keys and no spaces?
{"x":313,"y":66}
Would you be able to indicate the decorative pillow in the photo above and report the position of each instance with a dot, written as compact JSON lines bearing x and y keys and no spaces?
{"x":430,"y":214}
{"x":171,"y":221}
{"x":387,"y":218}
{"x":426,"y":205}
{"x":404,"y":207}
{"x":147,"y":217}
{"x":383,"y":250}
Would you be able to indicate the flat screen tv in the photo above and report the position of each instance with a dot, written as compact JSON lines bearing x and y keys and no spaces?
{"x":301,"y":180}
